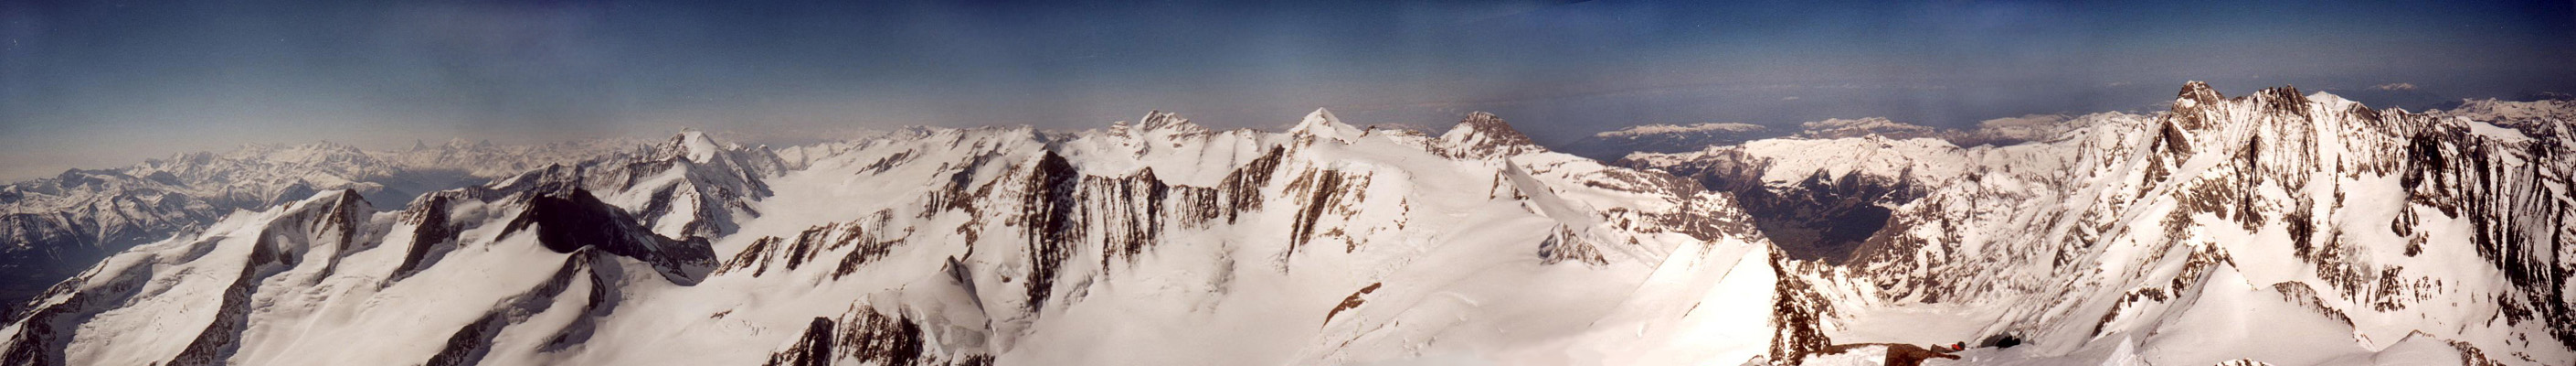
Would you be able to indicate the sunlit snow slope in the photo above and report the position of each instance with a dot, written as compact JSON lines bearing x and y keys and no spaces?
{"x":1160,"y":242}
{"x":53,"y":227}
{"x":2278,"y":227}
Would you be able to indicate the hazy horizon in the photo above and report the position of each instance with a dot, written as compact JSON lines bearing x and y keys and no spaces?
{"x":100,"y":85}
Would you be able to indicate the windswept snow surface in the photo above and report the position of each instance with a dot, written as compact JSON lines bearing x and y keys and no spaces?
{"x":2278,"y":228}
{"x":51,"y":228}
{"x":1154,"y":243}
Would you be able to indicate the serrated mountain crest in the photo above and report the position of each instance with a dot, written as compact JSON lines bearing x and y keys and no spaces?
{"x":2314,"y":204}
{"x":2352,"y":232}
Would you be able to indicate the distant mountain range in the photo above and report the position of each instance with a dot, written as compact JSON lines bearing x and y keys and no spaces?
{"x":2281,"y":227}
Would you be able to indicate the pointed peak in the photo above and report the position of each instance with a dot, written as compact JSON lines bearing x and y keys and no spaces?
{"x":1322,"y":123}
{"x":694,"y":145}
{"x":2286,"y":97}
{"x":1320,"y":117}
{"x":2193,"y":87}
{"x":2195,"y":94}
{"x":1490,"y":126}
{"x":1483,"y":135}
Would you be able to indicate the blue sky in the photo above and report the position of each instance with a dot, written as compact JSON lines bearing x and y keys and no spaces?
{"x":107,"y":83}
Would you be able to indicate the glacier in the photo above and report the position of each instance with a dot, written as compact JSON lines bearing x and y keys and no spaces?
{"x":2280,"y":228}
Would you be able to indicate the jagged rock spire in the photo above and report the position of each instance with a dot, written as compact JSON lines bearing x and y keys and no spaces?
{"x":2195,"y":94}
{"x":1168,"y":125}
{"x":1156,"y":120}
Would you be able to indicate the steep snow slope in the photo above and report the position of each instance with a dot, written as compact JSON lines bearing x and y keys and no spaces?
{"x":253,"y":286}
{"x":1160,"y":242}
{"x":51,"y":227}
{"x":2285,"y":228}
{"x":2277,"y":228}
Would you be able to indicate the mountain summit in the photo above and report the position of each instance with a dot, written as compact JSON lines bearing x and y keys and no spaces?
{"x":1482,"y":135}
{"x":2276,"y":228}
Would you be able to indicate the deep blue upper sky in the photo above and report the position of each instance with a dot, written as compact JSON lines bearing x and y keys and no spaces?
{"x":95,"y":84}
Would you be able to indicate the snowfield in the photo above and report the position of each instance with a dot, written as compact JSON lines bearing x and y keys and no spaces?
{"x":2279,"y":228}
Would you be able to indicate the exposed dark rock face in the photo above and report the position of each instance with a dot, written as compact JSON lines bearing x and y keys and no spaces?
{"x":872,"y":237}
{"x":1568,"y":246}
{"x":1912,"y":355}
{"x":47,"y":330}
{"x":2046,"y":220}
{"x":1064,"y":212}
{"x":303,"y":243}
{"x":1051,"y":224}
{"x":216,"y":342}
{"x":865,"y":337}
{"x":1482,"y":135}
{"x":1135,"y":217}
{"x":566,"y":218}
{"x":53,"y":245}
{"x":1322,"y":190}
{"x":756,"y":257}
{"x":1351,"y":302}
{"x":812,"y":349}
{"x":432,"y":237}
{"x":329,"y":224}
{"x":1820,"y":218}
{"x":1241,"y":189}
{"x":52,"y":228}
{"x":469,"y":344}
{"x":2262,"y":163}
{"x":1797,"y":316}
{"x":281,"y":246}
{"x":1063,"y":209}
{"x":45,"y":247}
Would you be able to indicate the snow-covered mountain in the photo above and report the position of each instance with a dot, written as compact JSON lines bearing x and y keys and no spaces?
{"x":2530,"y":116}
{"x":2347,"y":232}
{"x":2278,"y":228}
{"x":1676,"y":139}
{"x":1821,"y":193}
{"x":1160,"y":242}
{"x":52,"y":227}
